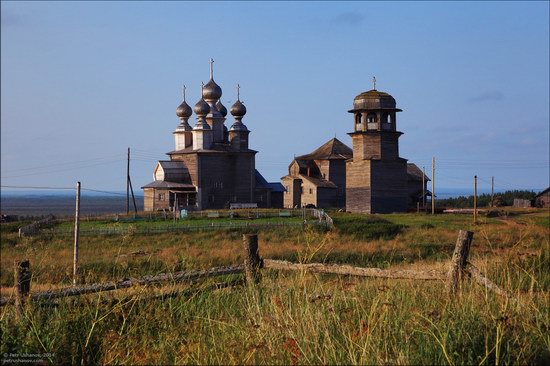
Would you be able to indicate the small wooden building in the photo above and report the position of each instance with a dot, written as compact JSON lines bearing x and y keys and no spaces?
{"x":319,"y":178}
{"x":542,"y":199}
{"x":522,"y":203}
{"x":417,"y":186}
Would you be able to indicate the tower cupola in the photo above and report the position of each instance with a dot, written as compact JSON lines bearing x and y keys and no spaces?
{"x":182,"y":135}
{"x":374,"y":110}
{"x":211,"y":93}
{"x":221,"y":108}
{"x":202,"y":133}
{"x":238,"y":133}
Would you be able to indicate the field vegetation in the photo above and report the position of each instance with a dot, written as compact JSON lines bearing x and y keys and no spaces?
{"x":292,"y":318}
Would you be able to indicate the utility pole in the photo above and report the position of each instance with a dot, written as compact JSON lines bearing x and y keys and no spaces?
{"x":475,"y":199}
{"x":128,"y":184}
{"x":492,"y":191}
{"x":424,"y":188}
{"x":76,"y":233}
{"x":433,"y":185}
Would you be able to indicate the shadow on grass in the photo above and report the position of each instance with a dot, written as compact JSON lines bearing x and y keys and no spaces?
{"x":367,"y":227}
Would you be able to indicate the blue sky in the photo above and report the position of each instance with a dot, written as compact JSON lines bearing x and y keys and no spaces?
{"x":82,"y":81}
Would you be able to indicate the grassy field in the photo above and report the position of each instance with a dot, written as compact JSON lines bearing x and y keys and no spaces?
{"x":293,"y":318}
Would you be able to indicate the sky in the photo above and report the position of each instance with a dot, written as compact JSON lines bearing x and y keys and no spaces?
{"x":83,"y":81}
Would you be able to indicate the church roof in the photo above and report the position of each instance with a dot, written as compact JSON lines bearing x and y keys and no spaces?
{"x":216,"y":147}
{"x":318,"y":182}
{"x":415,"y":173}
{"x":161,"y":184}
{"x":262,"y":183}
{"x":374,"y":99}
{"x":322,"y":183}
{"x":333,"y":149}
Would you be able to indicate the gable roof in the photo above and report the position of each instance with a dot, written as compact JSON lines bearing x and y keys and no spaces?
{"x":321,"y":183}
{"x":172,"y":171}
{"x":543,"y":192}
{"x":161,"y":184}
{"x":333,"y":149}
{"x":415,"y":173}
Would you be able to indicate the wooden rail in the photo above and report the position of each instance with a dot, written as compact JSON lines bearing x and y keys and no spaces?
{"x":458,"y":269}
{"x":354,"y":271}
{"x":146,"y":280}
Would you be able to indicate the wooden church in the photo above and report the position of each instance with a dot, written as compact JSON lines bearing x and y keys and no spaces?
{"x":211,"y":167}
{"x":370,"y":177}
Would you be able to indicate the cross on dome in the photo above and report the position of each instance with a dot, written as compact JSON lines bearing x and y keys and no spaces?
{"x":211,"y":68}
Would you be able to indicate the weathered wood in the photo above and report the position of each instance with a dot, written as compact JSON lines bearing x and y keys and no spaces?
{"x":459,"y":260}
{"x":354,"y":271}
{"x":22,"y":284}
{"x":76,"y":234}
{"x":484,"y":281}
{"x":146,"y":280}
{"x":252,"y":260}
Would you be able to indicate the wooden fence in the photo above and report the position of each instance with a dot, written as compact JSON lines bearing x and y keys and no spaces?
{"x":34,"y":228}
{"x":178,"y":228}
{"x":458,"y":269}
{"x":323,"y":218}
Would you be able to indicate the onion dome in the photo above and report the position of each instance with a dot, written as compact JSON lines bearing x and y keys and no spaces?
{"x":211,"y":90}
{"x":221,"y":108}
{"x":238,"y":109}
{"x":202,"y":108}
{"x":184,"y":110}
{"x":374,"y":99}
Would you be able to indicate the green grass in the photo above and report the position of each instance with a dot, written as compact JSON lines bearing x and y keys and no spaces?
{"x":289,"y":319}
{"x":292,"y":318}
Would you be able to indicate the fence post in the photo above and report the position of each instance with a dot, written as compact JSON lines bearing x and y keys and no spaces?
{"x":252,"y":260}
{"x":459,"y":260}
{"x":22,"y":284}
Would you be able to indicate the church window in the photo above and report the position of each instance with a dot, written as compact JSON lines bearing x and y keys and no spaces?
{"x":371,"y":118}
{"x":387,"y":118}
{"x":310,"y":191}
{"x":161,"y":197}
{"x":358,"y":121}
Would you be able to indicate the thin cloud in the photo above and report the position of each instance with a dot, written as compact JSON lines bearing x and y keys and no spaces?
{"x":487,"y":96}
{"x":348,"y":18}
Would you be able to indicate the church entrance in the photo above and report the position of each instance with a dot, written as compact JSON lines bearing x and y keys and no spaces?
{"x":183,"y":200}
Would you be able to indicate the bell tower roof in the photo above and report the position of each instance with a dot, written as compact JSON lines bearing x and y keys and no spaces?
{"x":374,"y":100}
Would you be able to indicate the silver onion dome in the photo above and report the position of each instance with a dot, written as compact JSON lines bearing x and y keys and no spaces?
{"x":202,"y":108}
{"x":211,"y":90}
{"x":221,"y":108}
{"x":184,"y":110}
{"x":238,"y":109}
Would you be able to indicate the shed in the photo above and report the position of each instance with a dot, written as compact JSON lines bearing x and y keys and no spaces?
{"x":543,"y":198}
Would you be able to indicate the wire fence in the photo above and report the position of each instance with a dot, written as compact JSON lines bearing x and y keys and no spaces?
{"x":180,"y":228}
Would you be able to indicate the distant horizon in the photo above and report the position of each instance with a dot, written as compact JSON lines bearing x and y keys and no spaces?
{"x":43,"y":193}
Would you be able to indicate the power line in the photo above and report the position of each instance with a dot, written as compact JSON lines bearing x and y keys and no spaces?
{"x":109,"y":157}
{"x":30,"y":187}
{"x":63,"y":188}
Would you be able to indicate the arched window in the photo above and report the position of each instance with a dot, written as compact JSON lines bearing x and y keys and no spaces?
{"x":387,"y":118}
{"x":371,"y":118}
{"x":358,"y":121}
